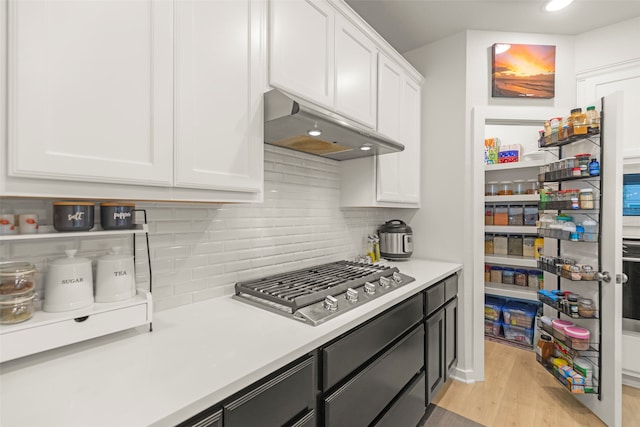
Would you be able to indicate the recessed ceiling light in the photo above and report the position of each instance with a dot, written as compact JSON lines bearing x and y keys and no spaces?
{"x":554,"y":5}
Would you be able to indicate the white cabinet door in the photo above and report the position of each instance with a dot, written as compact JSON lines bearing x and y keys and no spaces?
{"x":301,"y":49}
{"x":90,"y":86}
{"x":410,"y":136}
{"x":390,"y":79}
{"x":356,"y":73}
{"x":398,"y":174}
{"x":218,"y":113}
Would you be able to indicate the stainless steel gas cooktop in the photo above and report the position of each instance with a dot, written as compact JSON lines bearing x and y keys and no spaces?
{"x":316,"y":294}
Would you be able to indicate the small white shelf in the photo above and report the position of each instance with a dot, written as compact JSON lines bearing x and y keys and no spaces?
{"x":514,"y":165}
{"x":534,"y":198}
{"x":511,"y":291}
{"x":49,"y":233}
{"x":515,"y":261}
{"x":506,"y":229}
{"x":45,"y":331}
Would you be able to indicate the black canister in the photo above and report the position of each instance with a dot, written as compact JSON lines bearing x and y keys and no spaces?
{"x":117,"y":216}
{"x":73,"y":216}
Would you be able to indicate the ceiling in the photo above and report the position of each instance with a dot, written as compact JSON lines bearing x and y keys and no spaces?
{"x":408,"y":24}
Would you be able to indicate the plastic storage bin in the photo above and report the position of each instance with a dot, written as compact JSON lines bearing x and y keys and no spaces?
{"x":516,"y":215}
{"x":493,"y":327}
{"x":501,"y":215}
{"x":493,"y":307}
{"x":520,"y":314}
{"x":518,"y":334}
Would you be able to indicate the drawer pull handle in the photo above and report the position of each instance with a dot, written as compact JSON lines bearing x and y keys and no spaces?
{"x":81,"y":319}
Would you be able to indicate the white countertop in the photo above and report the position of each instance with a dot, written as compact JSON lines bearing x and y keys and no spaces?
{"x":196,"y":356}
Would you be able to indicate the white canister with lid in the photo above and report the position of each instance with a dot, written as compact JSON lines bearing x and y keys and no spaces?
{"x":115,"y":277}
{"x":69,"y":284}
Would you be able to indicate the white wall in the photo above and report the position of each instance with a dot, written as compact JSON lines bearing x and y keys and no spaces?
{"x":199,"y":251}
{"x":439,"y":226}
{"x":607,"y":46}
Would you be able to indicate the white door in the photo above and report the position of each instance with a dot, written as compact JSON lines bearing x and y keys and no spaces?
{"x":608,"y":407}
{"x":218,"y":113}
{"x":90,"y":90}
{"x":301,"y":49}
{"x":356,"y":73}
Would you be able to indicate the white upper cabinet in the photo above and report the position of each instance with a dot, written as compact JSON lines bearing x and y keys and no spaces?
{"x":218,"y":108}
{"x":148,"y":99}
{"x":389,"y":180}
{"x":301,"y":50}
{"x":356,"y":73}
{"x":398,"y":174}
{"x":90,"y":90}
{"x":317,"y":54}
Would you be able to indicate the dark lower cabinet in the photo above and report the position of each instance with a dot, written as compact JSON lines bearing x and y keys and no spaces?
{"x":451,"y":335}
{"x":409,"y":408}
{"x":205,"y":419}
{"x":363,"y":398}
{"x":435,"y":353}
{"x":277,"y":402}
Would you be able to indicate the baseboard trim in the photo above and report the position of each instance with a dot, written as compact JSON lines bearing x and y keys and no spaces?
{"x":630,"y":380}
{"x":465,"y":376}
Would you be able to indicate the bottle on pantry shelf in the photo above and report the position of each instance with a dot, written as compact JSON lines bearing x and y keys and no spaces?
{"x":574,"y":198}
{"x":580,"y":125}
{"x":583,"y":163}
{"x":544,"y":350}
{"x":593,"y":119}
{"x":594,"y":167}
{"x":590,"y":230}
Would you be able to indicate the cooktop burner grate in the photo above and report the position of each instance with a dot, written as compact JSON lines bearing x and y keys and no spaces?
{"x":299,"y":288}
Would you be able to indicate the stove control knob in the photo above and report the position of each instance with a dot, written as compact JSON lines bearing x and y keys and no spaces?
{"x":385,"y":282}
{"x":369,"y":288}
{"x":397,"y":277}
{"x":351,"y":295}
{"x":331,"y":303}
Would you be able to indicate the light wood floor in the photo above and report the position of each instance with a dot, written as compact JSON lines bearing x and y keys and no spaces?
{"x":518,"y":392}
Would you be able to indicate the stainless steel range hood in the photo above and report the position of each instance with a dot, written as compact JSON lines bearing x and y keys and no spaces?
{"x":288,"y":122}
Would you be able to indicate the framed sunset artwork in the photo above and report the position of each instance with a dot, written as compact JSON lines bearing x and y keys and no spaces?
{"x":523,"y":71}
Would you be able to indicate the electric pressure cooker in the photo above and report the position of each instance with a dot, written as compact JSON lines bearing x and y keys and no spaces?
{"x":396,"y":240}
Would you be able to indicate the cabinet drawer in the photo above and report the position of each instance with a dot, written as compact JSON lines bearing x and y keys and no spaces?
{"x":276,"y":402}
{"x":344,"y":356}
{"x":435,"y":297}
{"x":450,"y":287}
{"x":50,"y":330}
{"x":409,"y":408}
{"x":361,"y":399}
{"x":202,"y":420}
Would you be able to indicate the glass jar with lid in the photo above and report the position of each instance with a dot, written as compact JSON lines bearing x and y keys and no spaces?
{"x":505,"y":188}
{"x":17,"y":291}
{"x":519,"y":187}
{"x":586,"y":199}
{"x":586,"y":307}
{"x":508,"y":274}
{"x":491,"y":187}
{"x":532,"y":186}
{"x":582,"y":161}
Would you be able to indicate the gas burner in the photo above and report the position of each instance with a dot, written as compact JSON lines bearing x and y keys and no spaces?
{"x":316,"y":294}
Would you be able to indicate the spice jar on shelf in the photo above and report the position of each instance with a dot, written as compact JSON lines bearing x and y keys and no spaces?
{"x":520,"y":277}
{"x":508,"y":274}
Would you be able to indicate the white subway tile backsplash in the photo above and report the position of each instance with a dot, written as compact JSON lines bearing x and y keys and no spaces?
{"x":199,"y":251}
